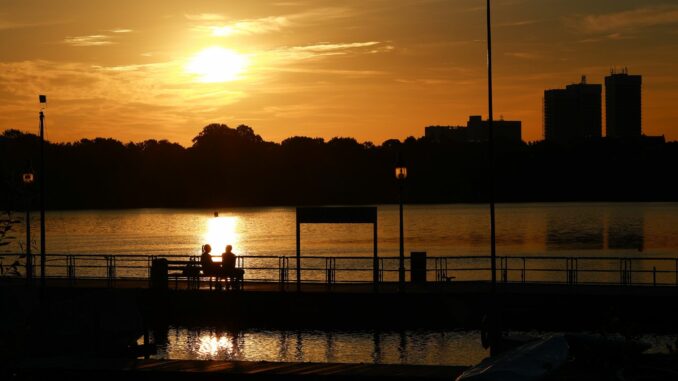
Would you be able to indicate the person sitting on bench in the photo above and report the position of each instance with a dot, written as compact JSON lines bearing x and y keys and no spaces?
{"x":209,"y":268}
{"x":228,"y":259}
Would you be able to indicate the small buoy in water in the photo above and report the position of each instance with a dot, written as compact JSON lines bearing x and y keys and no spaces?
{"x":216,"y":214}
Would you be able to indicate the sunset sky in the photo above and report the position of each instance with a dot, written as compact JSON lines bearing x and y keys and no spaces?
{"x":370,"y":69}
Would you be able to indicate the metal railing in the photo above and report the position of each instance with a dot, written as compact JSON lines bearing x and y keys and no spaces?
{"x":652,"y":271}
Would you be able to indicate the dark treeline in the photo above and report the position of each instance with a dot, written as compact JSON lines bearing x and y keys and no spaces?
{"x":236,"y":167}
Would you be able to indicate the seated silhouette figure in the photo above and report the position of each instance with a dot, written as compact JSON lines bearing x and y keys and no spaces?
{"x":209,"y":268}
{"x":228,"y":261}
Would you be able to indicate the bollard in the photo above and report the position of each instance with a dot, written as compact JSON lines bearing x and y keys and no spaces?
{"x":159,"y":278}
{"x":418,"y":267}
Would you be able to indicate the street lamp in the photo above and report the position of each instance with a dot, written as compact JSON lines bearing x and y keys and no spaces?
{"x":43,"y":105}
{"x":401,"y":175}
{"x":28,"y":179}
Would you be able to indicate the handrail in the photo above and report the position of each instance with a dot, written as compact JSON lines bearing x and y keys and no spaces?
{"x":653,"y":271}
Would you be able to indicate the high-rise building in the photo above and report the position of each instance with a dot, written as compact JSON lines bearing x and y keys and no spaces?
{"x":623,"y":105}
{"x":573,"y":113}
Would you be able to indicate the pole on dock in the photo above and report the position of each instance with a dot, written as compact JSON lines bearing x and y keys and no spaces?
{"x":28,"y":181}
{"x":494,"y":313}
{"x":41,"y":178}
{"x":401,"y":175}
{"x":298,"y":256}
{"x":490,"y":129}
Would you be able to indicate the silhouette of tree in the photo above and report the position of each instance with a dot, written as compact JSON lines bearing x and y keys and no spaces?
{"x":235,"y":166}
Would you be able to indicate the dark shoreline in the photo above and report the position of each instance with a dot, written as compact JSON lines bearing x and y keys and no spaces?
{"x":258,"y":206}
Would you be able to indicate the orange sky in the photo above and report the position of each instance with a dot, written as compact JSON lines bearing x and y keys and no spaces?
{"x":371,"y":69}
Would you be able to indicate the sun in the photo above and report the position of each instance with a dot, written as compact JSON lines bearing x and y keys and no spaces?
{"x":216,"y":64}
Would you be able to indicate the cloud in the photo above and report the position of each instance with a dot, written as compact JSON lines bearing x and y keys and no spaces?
{"x":607,"y":37}
{"x":205,"y":17}
{"x":7,"y":25}
{"x":91,"y":40}
{"x":631,"y":19}
{"x":137,"y":98}
{"x":303,"y":52}
{"x":214,"y":24}
{"x":327,"y":47}
{"x":97,"y":39}
{"x":516,"y":23}
{"x":255,"y":26}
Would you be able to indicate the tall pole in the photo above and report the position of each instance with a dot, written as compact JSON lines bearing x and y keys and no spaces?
{"x":493,"y":246}
{"x":29,"y":255}
{"x":401,"y":262}
{"x":41,"y":178}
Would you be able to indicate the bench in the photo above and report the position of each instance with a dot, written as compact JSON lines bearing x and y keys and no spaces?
{"x":192,"y":271}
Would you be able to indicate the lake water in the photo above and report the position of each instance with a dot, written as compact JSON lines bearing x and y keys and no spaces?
{"x":589,"y":229}
{"x":422,"y":347}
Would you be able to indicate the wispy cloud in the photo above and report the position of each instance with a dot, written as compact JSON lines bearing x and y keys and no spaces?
{"x":216,"y":25}
{"x":516,"y":23}
{"x":205,"y":17}
{"x":607,"y":37}
{"x":328,"y":47}
{"x":320,"y":49}
{"x":631,"y":19}
{"x":91,"y":40}
{"x":6,"y":24}
{"x":100,"y":39}
{"x":255,"y":26}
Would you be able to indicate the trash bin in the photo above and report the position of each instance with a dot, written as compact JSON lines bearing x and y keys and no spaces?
{"x":418,"y":267}
{"x":159,"y":274}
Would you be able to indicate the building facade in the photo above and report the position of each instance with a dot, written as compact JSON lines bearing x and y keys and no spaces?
{"x":476,"y":131}
{"x":623,"y":105}
{"x":573,"y":113}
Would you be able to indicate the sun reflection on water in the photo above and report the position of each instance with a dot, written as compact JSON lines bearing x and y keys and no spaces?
{"x":211,"y":346}
{"x":222,"y":231}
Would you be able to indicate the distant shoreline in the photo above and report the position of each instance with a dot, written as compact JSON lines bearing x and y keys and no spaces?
{"x":224,"y":207}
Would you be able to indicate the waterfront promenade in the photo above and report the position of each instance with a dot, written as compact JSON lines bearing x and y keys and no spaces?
{"x":453,"y":305}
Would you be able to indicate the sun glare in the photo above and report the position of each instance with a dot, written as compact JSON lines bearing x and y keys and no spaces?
{"x":217,"y":64}
{"x":221,"y":231}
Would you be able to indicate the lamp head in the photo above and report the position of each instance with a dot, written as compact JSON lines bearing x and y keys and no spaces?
{"x":401,"y":173}
{"x":28,"y":178}
{"x":43,"y":101}
{"x":400,"y":168}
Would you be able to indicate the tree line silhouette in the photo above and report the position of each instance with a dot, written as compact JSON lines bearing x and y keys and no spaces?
{"x":236,"y":167}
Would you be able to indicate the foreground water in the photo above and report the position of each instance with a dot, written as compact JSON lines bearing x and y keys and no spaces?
{"x":422,"y":347}
{"x":591,"y":229}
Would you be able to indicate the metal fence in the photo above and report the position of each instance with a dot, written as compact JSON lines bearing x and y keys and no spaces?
{"x":657,"y":271}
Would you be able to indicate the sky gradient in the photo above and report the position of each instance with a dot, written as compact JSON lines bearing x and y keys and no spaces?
{"x":373,"y":70}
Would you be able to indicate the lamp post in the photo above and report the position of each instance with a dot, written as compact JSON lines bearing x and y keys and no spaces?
{"x":401,"y":175}
{"x":41,"y":178}
{"x":28,"y":179}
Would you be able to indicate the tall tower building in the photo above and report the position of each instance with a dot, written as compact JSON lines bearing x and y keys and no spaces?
{"x":623,"y":105}
{"x":573,"y":113}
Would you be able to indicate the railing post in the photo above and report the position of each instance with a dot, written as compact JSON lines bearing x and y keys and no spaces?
{"x":381,"y":269}
{"x":330,"y":265}
{"x":70,"y":268}
{"x":504,"y":269}
{"x":110,"y":269}
{"x":283,"y":268}
{"x":522,"y":273}
{"x":654,"y":275}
